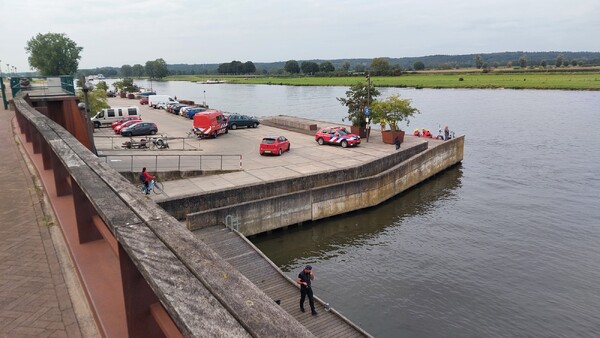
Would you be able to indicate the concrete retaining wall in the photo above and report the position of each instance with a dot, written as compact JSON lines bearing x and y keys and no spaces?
{"x":180,"y":207}
{"x":280,"y":210}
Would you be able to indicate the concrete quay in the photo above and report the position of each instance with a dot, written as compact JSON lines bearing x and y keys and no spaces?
{"x":308,"y":183}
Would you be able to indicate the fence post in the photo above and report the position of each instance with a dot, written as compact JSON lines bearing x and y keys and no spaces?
{"x":131,"y":162}
{"x":155,"y":163}
{"x":221,"y":162}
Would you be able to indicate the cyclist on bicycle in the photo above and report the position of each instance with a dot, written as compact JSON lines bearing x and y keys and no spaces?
{"x":146,"y":178}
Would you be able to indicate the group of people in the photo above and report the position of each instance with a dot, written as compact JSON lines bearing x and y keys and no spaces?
{"x":427,"y":134}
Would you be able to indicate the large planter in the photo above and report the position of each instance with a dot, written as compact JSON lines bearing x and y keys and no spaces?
{"x":388,"y":136}
{"x":360,"y":131}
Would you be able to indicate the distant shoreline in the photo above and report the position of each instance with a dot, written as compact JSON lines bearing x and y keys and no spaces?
{"x":577,"y":79}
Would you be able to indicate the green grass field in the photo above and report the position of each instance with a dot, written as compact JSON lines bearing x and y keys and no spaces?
{"x":571,"y":81}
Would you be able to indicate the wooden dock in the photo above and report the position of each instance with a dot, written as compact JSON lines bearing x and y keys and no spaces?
{"x":252,"y":263}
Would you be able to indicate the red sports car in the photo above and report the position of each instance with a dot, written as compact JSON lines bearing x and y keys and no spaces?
{"x":123,"y":120}
{"x":337,"y":135}
{"x":274,"y":145}
{"x":125,"y":124}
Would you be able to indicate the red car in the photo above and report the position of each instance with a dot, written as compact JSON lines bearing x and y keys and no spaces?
{"x":144,"y":100}
{"x":337,"y":135}
{"x":274,"y":145}
{"x":125,"y":119}
{"x":125,"y":124}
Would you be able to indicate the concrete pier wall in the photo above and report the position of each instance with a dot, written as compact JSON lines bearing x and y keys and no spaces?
{"x":313,"y":200}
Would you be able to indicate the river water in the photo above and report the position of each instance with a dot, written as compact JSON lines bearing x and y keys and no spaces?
{"x":505,"y":244}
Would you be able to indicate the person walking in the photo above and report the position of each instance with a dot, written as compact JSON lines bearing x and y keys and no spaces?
{"x":304,"y":279}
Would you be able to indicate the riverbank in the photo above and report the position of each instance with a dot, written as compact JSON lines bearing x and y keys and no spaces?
{"x":579,"y":80}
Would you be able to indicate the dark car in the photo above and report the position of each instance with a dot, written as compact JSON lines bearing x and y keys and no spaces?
{"x":236,"y":120}
{"x":141,"y":128}
{"x":190,"y":112}
{"x":177,"y":107}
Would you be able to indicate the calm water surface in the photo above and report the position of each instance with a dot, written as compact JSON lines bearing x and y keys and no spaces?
{"x":505,"y":244}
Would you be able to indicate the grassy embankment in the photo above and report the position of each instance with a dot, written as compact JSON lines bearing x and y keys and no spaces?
{"x":524,"y":80}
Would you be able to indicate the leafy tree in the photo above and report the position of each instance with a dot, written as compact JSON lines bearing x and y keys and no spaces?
{"x":495,"y":64}
{"x":345,"y":66}
{"x":543,"y":64}
{"x":126,"y":71}
{"x":126,"y":85}
{"x":156,"y":69}
{"x":523,"y":61}
{"x":360,"y":68}
{"x":137,"y":70}
{"x":419,"y":65}
{"x":356,"y":100}
{"x":292,"y":67}
{"x":380,"y":66}
{"x":326,"y":67}
{"x":509,"y":64}
{"x":478,"y":61}
{"x":559,"y":60}
{"x":573,"y":62}
{"x":97,"y":99}
{"x":248,"y":68}
{"x":392,"y":111}
{"x":309,"y":67}
{"x":102,"y":86}
{"x":53,"y":54}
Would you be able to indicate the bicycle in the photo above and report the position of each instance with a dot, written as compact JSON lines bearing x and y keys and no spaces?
{"x":154,"y":186}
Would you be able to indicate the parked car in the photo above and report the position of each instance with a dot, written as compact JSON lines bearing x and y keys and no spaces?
{"x":190,"y":112}
{"x":125,"y":119}
{"x":144,"y":100}
{"x":125,"y":125}
{"x":177,"y":108}
{"x":140,"y":128}
{"x":336,"y":135}
{"x":274,"y":145}
{"x":237,"y":120}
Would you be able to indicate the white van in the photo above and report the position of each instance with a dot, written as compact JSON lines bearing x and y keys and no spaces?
{"x":155,"y":100}
{"x":110,"y":115}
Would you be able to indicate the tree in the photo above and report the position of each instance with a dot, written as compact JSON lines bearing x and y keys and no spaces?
{"x":102,"y":86}
{"x":419,"y":65}
{"x":126,"y":85}
{"x":478,"y":61}
{"x":137,"y":70}
{"x":156,"y":69}
{"x":543,"y":64}
{"x":309,"y":67}
{"x":380,"y":66}
{"x":509,"y":64}
{"x":97,"y":99}
{"x":248,"y":68}
{"x":346,"y":66}
{"x":392,"y":111}
{"x":574,"y":62}
{"x":53,"y":54}
{"x":559,"y":60}
{"x":356,"y":100}
{"x":326,"y":67}
{"x":523,"y":61}
{"x":126,"y":71}
{"x":292,"y":67}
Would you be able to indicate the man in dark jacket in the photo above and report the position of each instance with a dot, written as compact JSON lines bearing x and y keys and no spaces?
{"x":304,"y":279}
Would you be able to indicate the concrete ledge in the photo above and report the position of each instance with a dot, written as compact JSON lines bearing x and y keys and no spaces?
{"x":315,"y":201}
{"x":291,"y":123}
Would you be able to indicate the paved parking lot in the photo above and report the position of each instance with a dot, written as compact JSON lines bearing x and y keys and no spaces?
{"x":305,"y":157}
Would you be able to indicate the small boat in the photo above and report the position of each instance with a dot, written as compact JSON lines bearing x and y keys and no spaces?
{"x":211,"y":82}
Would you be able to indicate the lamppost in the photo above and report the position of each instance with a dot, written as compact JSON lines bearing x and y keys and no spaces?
{"x":205,"y":99}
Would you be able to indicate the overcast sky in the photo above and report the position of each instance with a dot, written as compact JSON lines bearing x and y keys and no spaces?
{"x":117,"y":32}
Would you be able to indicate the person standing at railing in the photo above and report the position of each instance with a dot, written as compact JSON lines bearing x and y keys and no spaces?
{"x":146,"y":178}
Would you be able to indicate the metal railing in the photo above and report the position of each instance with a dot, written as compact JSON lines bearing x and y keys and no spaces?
{"x":118,"y":142}
{"x":163,"y":163}
{"x":43,"y":86}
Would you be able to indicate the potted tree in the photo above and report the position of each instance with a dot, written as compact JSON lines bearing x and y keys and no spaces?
{"x":357,"y":98}
{"x":392,"y":111}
